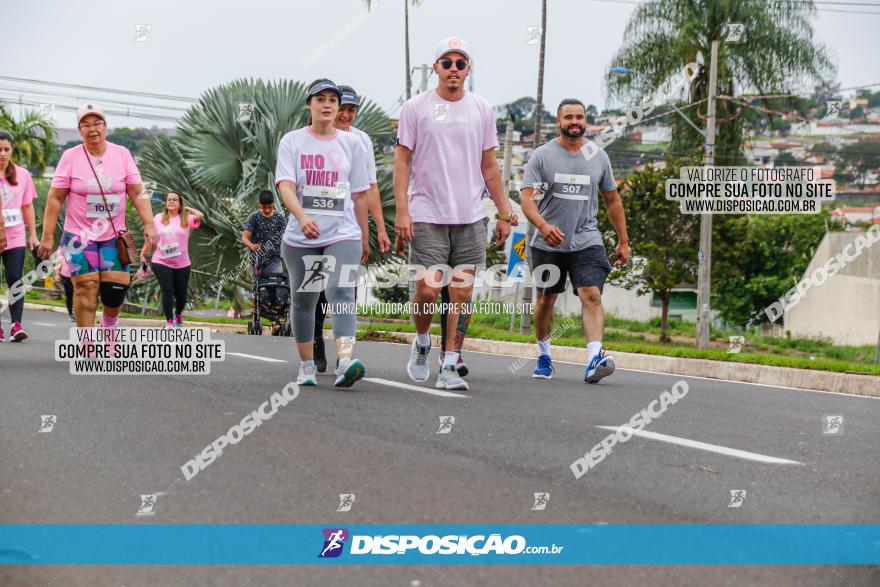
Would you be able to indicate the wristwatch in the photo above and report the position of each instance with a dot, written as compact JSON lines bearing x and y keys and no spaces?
{"x":504,"y":217}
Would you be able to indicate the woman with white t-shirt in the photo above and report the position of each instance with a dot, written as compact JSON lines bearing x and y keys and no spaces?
{"x":170,"y":262}
{"x":17,"y":192}
{"x":321,"y":174}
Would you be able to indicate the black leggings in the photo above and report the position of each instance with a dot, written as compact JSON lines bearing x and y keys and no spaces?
{"x":173,"y":283}
{"x":13,"y":261}
{"x":67,"y":284}
{"x":320,"y":315}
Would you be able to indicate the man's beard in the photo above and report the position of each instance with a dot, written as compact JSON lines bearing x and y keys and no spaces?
{"x":574,"y":134}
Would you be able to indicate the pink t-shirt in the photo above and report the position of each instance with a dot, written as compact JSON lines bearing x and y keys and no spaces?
{"x":447,"y":140}
{"x":14,"y":197}
{"x":116,"y":169}
{"x":173,"y":247}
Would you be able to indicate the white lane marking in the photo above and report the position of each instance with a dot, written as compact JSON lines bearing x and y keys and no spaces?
{"x":428,"y":390}
{"x":723,"y":450}
{"x":44,"y":324}
{"x":256,"y":357}
{"x":715,"y":379}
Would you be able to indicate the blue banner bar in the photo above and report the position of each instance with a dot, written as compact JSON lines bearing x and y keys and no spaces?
{"x":277,"y":544}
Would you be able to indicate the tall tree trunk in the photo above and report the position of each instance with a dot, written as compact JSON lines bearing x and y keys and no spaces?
{"x":524,"y":326}
{"x":664,"y":316}
{"x":406,"y":36}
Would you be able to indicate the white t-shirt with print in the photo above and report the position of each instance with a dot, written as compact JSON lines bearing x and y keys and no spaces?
{"x":326,"y":171}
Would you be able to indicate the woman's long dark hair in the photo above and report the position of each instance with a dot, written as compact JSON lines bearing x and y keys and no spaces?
{"x":10,"y":169}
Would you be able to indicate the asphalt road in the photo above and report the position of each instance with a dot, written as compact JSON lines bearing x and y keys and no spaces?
{"x":117,"y":438}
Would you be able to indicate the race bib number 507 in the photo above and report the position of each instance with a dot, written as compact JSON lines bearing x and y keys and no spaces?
{"x":571,"y":187}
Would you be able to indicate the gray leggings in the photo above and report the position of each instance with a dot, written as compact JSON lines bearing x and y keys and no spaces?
{"x":341,"y":298}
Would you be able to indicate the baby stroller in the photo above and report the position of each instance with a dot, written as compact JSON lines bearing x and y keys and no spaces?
{"x":271,"y":301}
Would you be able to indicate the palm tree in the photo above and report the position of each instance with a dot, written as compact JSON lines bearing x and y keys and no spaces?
{"x":219,"y":164}
{"x":34,"y":139}
{"x":406,"y":5}
{"x":663,"y":35}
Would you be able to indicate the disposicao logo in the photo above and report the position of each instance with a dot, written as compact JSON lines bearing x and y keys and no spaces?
{"x":334,"y":541}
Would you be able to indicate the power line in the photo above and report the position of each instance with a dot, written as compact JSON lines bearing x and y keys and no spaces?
{"x":99,"y":89}
{"x":102,"y":100}
{"x":128,"y":113}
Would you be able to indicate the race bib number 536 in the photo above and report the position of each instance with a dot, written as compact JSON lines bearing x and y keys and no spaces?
{"x":328,"y":201}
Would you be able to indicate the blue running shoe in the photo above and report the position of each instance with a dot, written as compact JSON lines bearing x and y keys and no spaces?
{"x":600,"y":366}
{"x":544,"y":370}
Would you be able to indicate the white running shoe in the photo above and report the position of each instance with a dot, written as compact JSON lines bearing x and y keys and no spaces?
{"x":448,"y":378}
{"x":348,"y":371}
{"x":306,"y":374}
{"x":418,"y":367}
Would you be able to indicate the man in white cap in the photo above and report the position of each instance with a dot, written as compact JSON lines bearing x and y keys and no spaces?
{"x":445,"y":157}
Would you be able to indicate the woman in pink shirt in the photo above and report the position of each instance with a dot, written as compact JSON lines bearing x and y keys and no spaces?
{"x":95,"y":178}
{"x":18,"y":193}
{"x":171,"y":262}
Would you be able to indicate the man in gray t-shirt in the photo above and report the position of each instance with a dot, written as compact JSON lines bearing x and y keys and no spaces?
{"x":570,"y":184}
{"x":560,"y":196}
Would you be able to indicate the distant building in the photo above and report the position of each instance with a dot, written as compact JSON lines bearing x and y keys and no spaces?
{"x":856,"y":215}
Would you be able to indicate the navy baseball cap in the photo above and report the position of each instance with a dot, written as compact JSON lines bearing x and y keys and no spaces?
{"x":349,"y":96}
{"x":320,"y":85}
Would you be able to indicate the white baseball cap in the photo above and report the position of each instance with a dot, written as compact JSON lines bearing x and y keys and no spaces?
{"x":451,"y":44}
{"x":87,"y":109}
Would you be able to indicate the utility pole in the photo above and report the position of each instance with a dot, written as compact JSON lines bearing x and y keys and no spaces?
{"x":423,"y":87}
{"x":506,"y":169}
{"x":704,"y":279}
{"x":524,"y":323}
{"x":406,"y":48}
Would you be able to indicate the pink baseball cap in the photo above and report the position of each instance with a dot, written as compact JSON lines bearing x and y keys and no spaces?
{"x":451,"y":44}
{"x":87,"y":109}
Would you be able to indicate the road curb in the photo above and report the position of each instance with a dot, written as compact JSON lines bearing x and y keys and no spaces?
{"x":523,"y":353}
{"x":802,"y":379}
{"x":230,"y":328}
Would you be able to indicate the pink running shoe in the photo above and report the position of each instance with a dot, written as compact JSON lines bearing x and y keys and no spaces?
{"x":17,"y":333}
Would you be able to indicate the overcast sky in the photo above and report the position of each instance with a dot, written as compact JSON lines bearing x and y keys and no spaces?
{"x":194,"y":45}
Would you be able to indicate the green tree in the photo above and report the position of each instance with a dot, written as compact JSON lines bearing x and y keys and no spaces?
{"x":756,"y":259}
{"x":34,"y":139}
{"x":133,"y":139}
{"x":220,"y":164}
{"x":592,"y":113}
{"x":785,"y":159}
{"x":823,"y":149}
{"x":662,"y":36}
{"x":856,"y":160}
{"x":872,"y":97}
{"x":660,"y":233}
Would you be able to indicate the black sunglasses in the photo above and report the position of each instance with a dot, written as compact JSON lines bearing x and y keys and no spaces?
{"x":460,"y":64}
